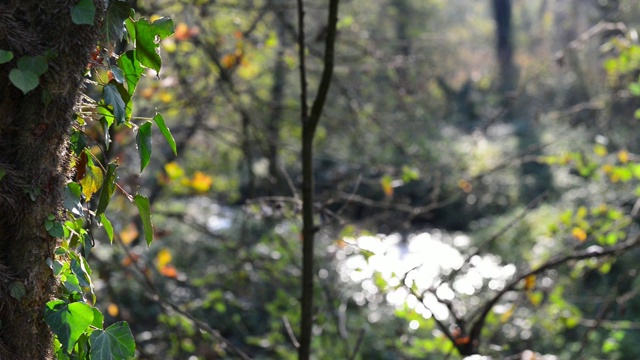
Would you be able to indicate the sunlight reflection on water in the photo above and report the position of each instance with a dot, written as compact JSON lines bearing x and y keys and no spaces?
{"x":421,"y":261}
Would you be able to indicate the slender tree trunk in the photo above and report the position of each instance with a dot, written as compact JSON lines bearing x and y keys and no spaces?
{"x":34,"y":158}
{"x":504,"y":46}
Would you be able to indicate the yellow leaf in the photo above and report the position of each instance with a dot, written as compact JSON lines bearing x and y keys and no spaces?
{"x":113,"y":310}
{"x":579,"y":234}
{"x":600,"y":150}
{"x":529,"y":282}
{"x":387,"y":187}
{"x":166,"y":97}
{"x":623,"y":156}
{"x":507,"y":314}
{"x":173,"y":170}
{"x":607,"y":168}
{"x":92,"y":181}
{"x":201,"y":182}
{"x":128,"y":234}
{"x":164,"y":257}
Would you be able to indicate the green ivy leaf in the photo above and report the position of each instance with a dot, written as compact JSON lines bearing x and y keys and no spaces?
{"x":83,"y":12}
{"x":108,"y":188}
{"x":108,"y":228}
{"x":118,"y":75}
{"x":144,"y":207}
{"x":68,"y":321}
{"x":5,"y":56}
{"x":132,"y":69}
{"x":146,"y":44}
{"x":159,"y":120}
{"x":24,"y":80}
{"x":115,"y":342}
{"x":53,"y":227}
{"x":113,"y":28}
{"x":112,"y":97}
{"x":17,"y":290}
{"x":72,"y":198}
{"x":143,"y":141}
{"x":35,"y":64}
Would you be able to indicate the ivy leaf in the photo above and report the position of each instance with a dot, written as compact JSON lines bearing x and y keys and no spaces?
{"x":165,"y":131}
{"x":24,"y":80}
{"x":83,"y":12}
{"x":112,"y":97}
{"x":108,"y":228}
{"x":108,"y":188}
{"x":68,"y":321}
{"x":92,"y":181}
{"x":146,"y":43}
{"x":5,"y":56}
{"x":132,"y":69}
{"x":144,"y":207}
{"x":113,"y":28}
{"x":98,"y":319}
{"x":35,"y":64}
{"x":143,"y":141}
{"x":115,"y":342}
{"x":53,"y":227}
{"x":17,"y":290}
{"x":118,"y":75}
{"x":72,"y":198}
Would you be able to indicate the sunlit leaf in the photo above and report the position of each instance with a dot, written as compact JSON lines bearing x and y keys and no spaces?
{"x":159,"y":120}
{"x":92,"y":181}
{"x":387,"y":187}
{"x":129,"y":233}
{"x":68,"y":321}
{"x":144,"y":208}
{"x":163,"y":258}
{"x":201,"y":182}
{"x":600,"y":150}
{"x":108,"y":228}
{"x":143,"y":141}
{"x":579,"y":234}
{"x":174,"y":170}
{"x":115,"y":342}
{"x":623,"y":156}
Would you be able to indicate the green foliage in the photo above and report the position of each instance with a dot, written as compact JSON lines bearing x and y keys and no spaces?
{"x":78,"y":326}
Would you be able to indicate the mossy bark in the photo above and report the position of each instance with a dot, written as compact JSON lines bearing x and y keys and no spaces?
{"x":34,"y":155}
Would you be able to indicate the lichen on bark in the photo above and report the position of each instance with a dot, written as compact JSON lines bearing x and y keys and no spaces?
{"x":34,"y":133}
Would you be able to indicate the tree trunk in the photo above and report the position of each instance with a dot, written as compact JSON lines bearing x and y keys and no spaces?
{"x":34,"y":157}
{"x":504,"y":47}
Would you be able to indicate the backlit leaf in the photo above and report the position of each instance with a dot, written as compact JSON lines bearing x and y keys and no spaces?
{"x":387,"y":187}
{"x":109,"y":188}
{"x":144,"y":207}
{"x":92,"y":181}
{"x":159,"y":120}
{"x":201,"y":182}
{"x":112,"y":97}
{"x":143,"y":141}
{"x":129,"y":233}
{"x":163,"y":258}
{"x":68,"y":321}
{"x":114,"y":343}
{"x":579,"y":234}
{"x":108,"y":228}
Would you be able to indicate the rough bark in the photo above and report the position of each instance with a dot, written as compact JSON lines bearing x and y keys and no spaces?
{"x":34,"y":155}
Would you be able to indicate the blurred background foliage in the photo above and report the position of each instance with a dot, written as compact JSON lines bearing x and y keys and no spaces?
{"x":444,"y":172}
